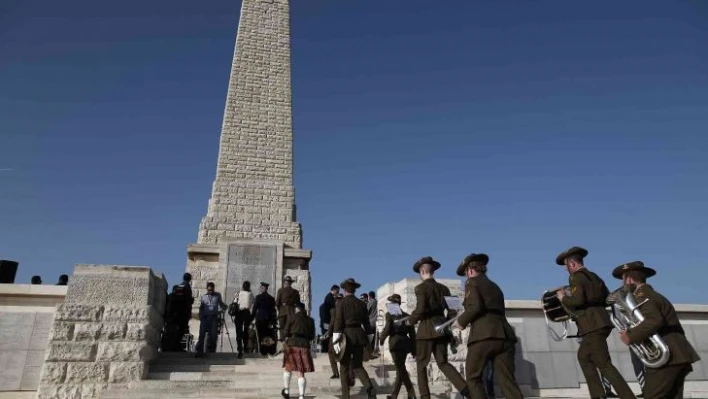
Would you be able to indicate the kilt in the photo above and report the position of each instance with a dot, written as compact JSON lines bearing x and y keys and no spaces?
{"x":298,"y":359}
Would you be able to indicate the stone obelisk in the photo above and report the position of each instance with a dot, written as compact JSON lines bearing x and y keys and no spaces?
{"x":250,"y":231}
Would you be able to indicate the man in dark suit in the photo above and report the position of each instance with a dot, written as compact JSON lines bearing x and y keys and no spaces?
{"x":264,"y":313}
{"x":351,"y":325}
{"x":491,"y":336}
{"x":665,"y":381}
{"x":430,"y":311}
{"x":587,"y":302}
{"x":401,"y":343}
{"x":326,"y":313}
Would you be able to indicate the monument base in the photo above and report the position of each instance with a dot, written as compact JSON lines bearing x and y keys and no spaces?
{"x":232,"y":261}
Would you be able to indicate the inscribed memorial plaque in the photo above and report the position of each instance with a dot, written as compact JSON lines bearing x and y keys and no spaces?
{"x":23,"y":339}
{"x":15,"y":330}
{"x":249,"y":262}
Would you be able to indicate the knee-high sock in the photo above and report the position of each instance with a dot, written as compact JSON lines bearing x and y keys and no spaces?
{"x":301,"y":384}
{"x":286,"y":381}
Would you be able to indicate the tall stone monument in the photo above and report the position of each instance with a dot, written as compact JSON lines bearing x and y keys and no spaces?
{"x":250,"y":231}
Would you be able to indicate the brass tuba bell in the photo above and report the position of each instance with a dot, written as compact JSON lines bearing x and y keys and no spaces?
{"x":626,"y":314}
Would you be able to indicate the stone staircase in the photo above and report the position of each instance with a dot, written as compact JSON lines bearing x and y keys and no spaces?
{"x":221,"y":375}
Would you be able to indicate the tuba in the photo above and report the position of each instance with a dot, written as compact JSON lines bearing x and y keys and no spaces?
{"x":556,"y":312}
{"x":626,"y":314}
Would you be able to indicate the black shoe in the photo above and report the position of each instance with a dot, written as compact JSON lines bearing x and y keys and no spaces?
{"x":370,"y":392}
{"x":465,"y":393}
{"x":611,"y":395}
{"x":198,"y":354}
{"x":334,"y":377}
{"x":641,"y":395}
{"x":240,"y":355}
{"x":285,"y":395}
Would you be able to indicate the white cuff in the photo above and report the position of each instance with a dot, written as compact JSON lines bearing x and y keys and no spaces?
{"x":336,"y":337}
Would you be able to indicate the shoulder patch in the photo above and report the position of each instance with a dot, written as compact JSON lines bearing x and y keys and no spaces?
{"x":573,"y":289}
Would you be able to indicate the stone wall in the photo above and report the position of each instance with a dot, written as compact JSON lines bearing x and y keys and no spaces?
{"x":105,"y":332}
{"x":26,"y":314}
{"x":253,"y":195}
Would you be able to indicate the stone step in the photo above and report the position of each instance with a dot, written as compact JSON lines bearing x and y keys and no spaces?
{"x":220,"y":393}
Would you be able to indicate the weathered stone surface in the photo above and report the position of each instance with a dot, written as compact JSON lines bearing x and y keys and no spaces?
{"x":99,"y":331}
{"x":142,"y":314}
{"x":80,"y":373}
{"x":54,"y":373}
{"x":253,"y":196}
{"x":71,"y":352}
{"x":92,"y":391}
{"x":127,"y":371}
{"x":59,"y":392}
{"x":62,"y":331}
{"x":78,"y":312}
{"x":125,"y":352}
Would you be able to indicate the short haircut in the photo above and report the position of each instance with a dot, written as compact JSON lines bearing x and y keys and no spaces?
{"x":334,"y":287}
{"x":372,"y":294}
{"x":211,"y":284}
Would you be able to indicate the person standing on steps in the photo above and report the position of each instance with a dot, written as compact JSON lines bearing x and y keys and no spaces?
{"x":285,"y":301}
{"x":430,"y":311}
{"x":352,"y":333}
{"x":243,"y":318}
{"x":491,"y":337}
{"x":210,"y":305}
{"x":299,"y":333}
{"x":588,"y":302}
{"x":265,"y":314}
{"x":326,"y":315}
{"x":400,"y":344}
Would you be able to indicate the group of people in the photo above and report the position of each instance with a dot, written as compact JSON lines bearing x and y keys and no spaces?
{"x":492,"y":339}
{"x":349,"y":331}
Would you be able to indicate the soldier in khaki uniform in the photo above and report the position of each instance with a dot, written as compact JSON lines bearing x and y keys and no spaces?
{"x":665,"y":382}
{"x":285,"y":301}
{"x":430,"y":311}
{"x":588,"y":302}
{"x":351,"y":325}
{"x":491,"y":336}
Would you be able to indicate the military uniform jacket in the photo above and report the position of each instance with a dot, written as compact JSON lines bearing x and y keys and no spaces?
{"x":285,"y":300}
{"x":264,"y":307}
{"x":401,"y":338}
{"x":430,"y":308}
{"x":660,"y":317}
{"x":588,"y":301}
{"x":485,"y":312}
{"x":352,"y":319}
{"x":300,"y":330}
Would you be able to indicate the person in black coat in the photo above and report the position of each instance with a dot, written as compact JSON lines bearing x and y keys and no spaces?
{"x":265,"y":315}
{"x":401,"y":342}
{"x":326,"y":314}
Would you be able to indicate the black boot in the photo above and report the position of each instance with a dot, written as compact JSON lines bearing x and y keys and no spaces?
{"x":370,"y":392}
{"x":285,"y":395}
{"x":465,"y":393}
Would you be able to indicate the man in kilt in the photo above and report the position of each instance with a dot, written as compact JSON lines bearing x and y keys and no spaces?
{"x":299,"y":334}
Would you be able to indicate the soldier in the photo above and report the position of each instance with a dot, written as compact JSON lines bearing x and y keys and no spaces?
{"x":264,"y":313}
{"x":491,"y":336}
{"x":285,"y":301}
{"x":299,"y":332}
{"x":665,"y":382}
{"x":401,"y":343}
{"x":588,"y":301}
{"x":352,"y":332}
{"x":430,"y":311}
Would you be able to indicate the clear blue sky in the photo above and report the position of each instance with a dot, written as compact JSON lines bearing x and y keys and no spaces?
{"x":421,"y":128}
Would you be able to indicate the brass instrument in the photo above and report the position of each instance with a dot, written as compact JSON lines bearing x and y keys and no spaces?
{"x":443,"y":328}
{"x":556,"y":312}
{"x":625,"y":315}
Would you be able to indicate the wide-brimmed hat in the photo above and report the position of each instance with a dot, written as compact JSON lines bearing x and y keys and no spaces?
{"x":426,"y":260}
{"x":637,"y":266}
{"x":472,"y":260}
{"x":394,"y":298}
{"x":288,"y":278}
{"x":350,"y":283}
{"x":573,"y":251}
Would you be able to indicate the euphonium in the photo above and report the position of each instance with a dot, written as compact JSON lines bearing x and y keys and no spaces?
{"x":556,"y":312}
{"x":626,"y":314}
